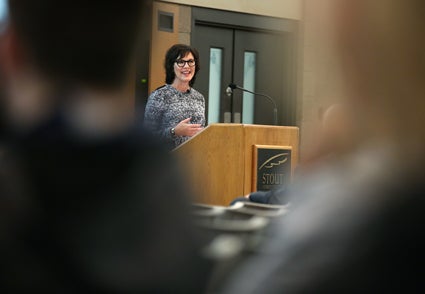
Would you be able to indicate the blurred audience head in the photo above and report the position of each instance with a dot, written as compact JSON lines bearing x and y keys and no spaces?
{"x":56,"y":51}
{"x":337,"y":128}
{"x":335,"y":136}
{"x":85,"y":42}
{"x":382,"y":50}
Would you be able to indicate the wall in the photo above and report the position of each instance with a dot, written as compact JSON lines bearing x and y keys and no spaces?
{"x":291,"y":9}
{"x":160,"y":42}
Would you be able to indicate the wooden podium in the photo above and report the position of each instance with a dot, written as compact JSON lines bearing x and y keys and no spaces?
{"x":219,"y":161}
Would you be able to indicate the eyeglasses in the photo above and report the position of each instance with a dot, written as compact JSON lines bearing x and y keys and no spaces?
{"x":181,"y":62}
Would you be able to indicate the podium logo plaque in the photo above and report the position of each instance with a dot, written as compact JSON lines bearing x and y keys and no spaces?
{"x":271,"y":167}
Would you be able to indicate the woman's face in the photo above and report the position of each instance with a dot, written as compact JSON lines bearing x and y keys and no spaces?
{"x":185,"y":73}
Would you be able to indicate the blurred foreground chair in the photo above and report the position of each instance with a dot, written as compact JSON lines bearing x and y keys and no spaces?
{"x":244,"y":221}
{"x":258,"y":209}
{"x":216,"y":220}
{"x":232,"y":233}
{"x":251,"y":208}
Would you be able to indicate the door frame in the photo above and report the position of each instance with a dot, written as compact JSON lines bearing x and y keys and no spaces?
{"x":265,"y":24}
{"x":236,"y":20}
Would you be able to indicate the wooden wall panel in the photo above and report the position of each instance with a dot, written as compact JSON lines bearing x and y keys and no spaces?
{"x":161,"y":41}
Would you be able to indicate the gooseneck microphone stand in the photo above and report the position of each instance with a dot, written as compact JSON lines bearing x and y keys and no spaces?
{"x":231,"y":87}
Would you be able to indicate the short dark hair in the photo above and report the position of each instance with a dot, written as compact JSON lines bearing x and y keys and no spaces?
{"x":79,"y":41}
{"x":176,"y":51}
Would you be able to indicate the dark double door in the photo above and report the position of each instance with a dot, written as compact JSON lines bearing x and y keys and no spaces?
{"x":261,"y":61}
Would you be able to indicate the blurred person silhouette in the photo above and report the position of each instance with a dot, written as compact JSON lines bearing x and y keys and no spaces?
{"x":358,"y":223}
{"x":89,"y":201}
{"x":176,"y":111}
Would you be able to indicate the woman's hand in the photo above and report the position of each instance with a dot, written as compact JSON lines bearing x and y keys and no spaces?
{"x":185,"y":128}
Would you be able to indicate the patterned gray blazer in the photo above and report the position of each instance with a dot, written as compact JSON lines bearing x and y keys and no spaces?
{"x":167,"y":106}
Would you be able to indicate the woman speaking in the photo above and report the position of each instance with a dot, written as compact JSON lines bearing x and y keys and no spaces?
{"x":176,"y":111}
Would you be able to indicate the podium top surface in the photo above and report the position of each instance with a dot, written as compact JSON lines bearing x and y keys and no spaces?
{"x":236,"y":126}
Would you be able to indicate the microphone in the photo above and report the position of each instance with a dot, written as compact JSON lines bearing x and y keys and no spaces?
{"x":231,"y":87}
